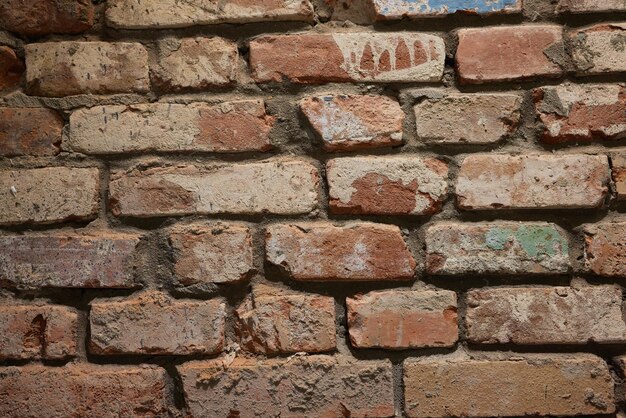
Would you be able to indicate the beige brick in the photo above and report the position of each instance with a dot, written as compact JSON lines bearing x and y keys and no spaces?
{"x":599,"y":49}
{"x":605,"y":248}
{"x":586,"y":6}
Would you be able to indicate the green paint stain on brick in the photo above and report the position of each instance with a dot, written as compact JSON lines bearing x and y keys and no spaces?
{"x":536,"y":241}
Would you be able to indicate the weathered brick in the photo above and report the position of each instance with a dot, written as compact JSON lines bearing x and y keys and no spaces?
{"x":154,"y":323}
{"x":68,"y":259}
{"x":314,"y":386}
{"x":458,"y":118}
{"x":360,"y":56}
{"x":211,"y":253}
{"x":321,"y":251}
{"x":352,"y":122}
{"x":392,"y":185}
{"x":599,"y":49}
{"x":496,"y":248}
{"x":29,"y":131}
{"x":397,"y":9}
{"x":573,"y":112}
{"x":585,"y":6}
{"x":618,"y":164}
{"x":38,"y":332}
{"x":11,"y":68}
{"x":399,"y":319}
{"x":43,"y":17}
{"x":532,"y":181}
{"x":554,"y":385}
{"x":85,"y":390}
{"x":545,"y":315}
{"x":67,"y":68}
{"x":271,"y":323}
{"x":195,"y":63}
{"x":237,"y":126}
{"x":135,"y":14}
{"x":509,"y":53}
{"x":277,"y":186}
{"x":605,"y":248}
{"x":48,"y":195}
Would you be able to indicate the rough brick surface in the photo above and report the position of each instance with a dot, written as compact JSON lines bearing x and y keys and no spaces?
{"x":394,"y":319}
{"x":618,"y":164}
{"x":322,"y":251}
{"x":359,"y":56}
{"x":38,"y":332}
{"x":42,"y":17}
{"x":284,"y":187}
{"x":236,"y":126}
{"x":532,"y":181}
{"x":29,"y":131}
{"x":582,"y":6}
{"x":457,"y":118}
{"x":353,"y":122}
{"x":555,"y":385}
{"x":47,"y":195}
{"x":599,"y":49}
{"x":572,"y":112}
{"x":84,"y":390}
{"x":605,"y":248}
{"x":545,"y":315}
{"x":11,"y":68}
{"x":397,"y":9}
{"x":496,"y":248}
{"x":68,"y":68}
{"x":211,"y":253}
{"x":63,"y":259}
{"x":316,"y":386}
{"x":507,"y":53}
{"x":153,"y":323}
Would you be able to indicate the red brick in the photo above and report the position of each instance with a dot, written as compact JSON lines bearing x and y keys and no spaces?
{"x":43,"y":17}
{"x":29,"y":131}
{"x":154,"y":323}
{"x":353,"y":122}
{"x":398,"y":9}
{"x":532,"y":181}
{"x":618,"y":164}
{"x":38,"y":332}
{"x":396,"y":319}
{"x":605,"y":248}
{"x":85,"y":390}
{"x":66,"y":259}
{"x":545,"y":315}
{"x":393,"y":185}
{"x":11,"y":68}
{"x":311,"y":386}
{"x":599,"y":49}
{"x":359,"y":56}
{"x":586,"y":6}
{"x":533,"y":385}
{"x":509,"y":53}
{"x":319,"y":251}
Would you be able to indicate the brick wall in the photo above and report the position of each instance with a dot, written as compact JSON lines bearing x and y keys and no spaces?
{"x":336,"y":208}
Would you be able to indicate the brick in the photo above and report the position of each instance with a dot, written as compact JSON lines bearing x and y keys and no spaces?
{"x":314,"y":386}
{"x":392,"y":185}
{"x":353,"y":122}
{"x":154,"y":323}
{"x":586,"y":6}
{"x":43,"y":17}
{"x":195,"y":63}
{"x":618,"y":164}
{"x":319,"y":251}
{"x":509,"y":53}
{"x":290,"y":323}
{"x":398,"y":9}
{"x":599,"y":49}
{"x":48,"y":195}
{"x":100,"y":259}
{"x":394,"y":319}
{"x":476,"y":119}
{"x":528,"y":385}
{"x":545,"y":315}
{"x":605,"y":248}
{"x":496,"y":248}
{"x":29,"y":131}
{"x":573,"y":112}
{"x":310,"y":58}
{"x":277,"y":186}
{"x":237,"y":126}
{"x":38,"y":332}
{"x":58,"y":69}
{"x":135,"y":14}
{"x":85,"y":390}
{"x":532,"y":181}
{"x":211,"y":253}
{"x":11,"y":68}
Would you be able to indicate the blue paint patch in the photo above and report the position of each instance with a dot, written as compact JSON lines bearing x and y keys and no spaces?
{"x":449,"y":6}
